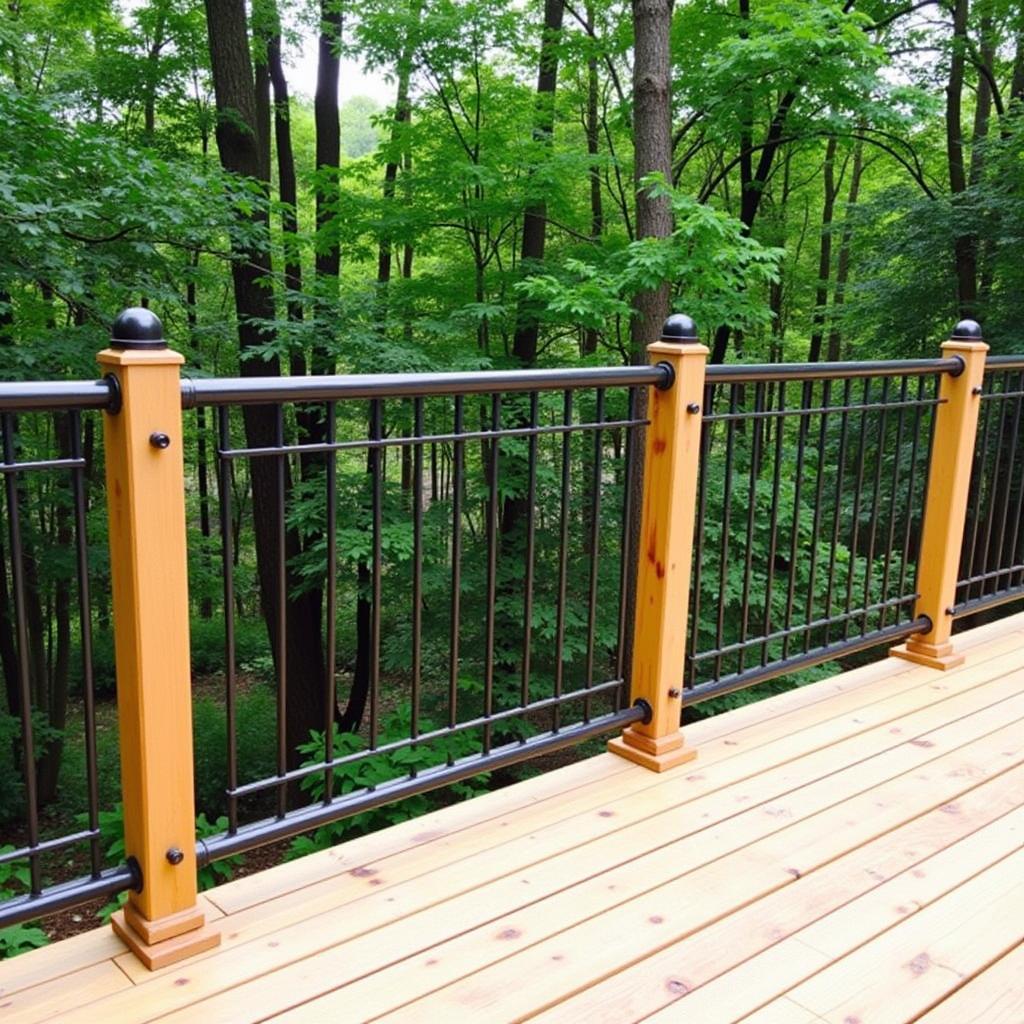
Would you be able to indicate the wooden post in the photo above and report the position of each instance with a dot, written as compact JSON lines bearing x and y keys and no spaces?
{"x":162,"y":921}
{"x":945,"y":509}
{"x":666,"y":550}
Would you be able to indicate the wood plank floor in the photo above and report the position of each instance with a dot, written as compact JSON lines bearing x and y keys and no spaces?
{"x":851,"y":852}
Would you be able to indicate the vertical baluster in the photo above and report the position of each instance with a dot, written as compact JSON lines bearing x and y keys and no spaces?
{"x":563,"y":559}
{"x":85,"y":630}
{"x":819,"y":482}
{"x":492,"y":557}
{"x":331,"y":611}
{"x":417,"y":567}
{"x":531,"y":534}
{"x":593,"y":542}
{"x":24,"y":681}
{"x":456,"y":595}
{"x":227,"y":541}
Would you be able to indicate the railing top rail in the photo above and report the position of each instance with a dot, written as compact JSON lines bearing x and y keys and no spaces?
{"x":995,"y":363}
{"x":41,"y":396}
{"x":750,"y":373}
{"x":36,"y":396}
{"x":271,"y":390}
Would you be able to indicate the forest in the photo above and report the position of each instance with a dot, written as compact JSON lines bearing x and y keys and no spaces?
{"x":810,"y":180}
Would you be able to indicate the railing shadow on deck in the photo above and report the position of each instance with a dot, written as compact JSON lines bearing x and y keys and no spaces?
{"x":555,"y":555}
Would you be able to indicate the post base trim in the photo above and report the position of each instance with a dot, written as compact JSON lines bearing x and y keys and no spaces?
{"x":658,"y":754}
{"x":940,"y":656}
{"x":178,"y":946}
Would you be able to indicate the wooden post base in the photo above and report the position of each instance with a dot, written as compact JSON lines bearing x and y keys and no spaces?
{"x":166,"y":941}
{"x":940,"y":656}
{"x":657,"y":754}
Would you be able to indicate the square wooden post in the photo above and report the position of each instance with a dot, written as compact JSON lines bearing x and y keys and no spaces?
{"x":945,"y":509}
{"x":671,"y":461}
{"x":161,"y":922}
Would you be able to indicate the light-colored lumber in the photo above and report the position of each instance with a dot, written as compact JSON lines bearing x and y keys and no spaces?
{"x":558,"y":967}
{"x":782,"y":1011}
{"x":754,"y":954}
{"x":302,"y":940}
{"x":453,"y":874}
{"x":768,"y":975}
{"x":664,"y":554}
{"x":996,"y":996}
{"x":52,"y":999}
{"x":945,"y":507}
{"x":57,"y":960}
{"x":895,"y":769}
{"x":915,"y":964}
{"x":719,"y":738}
{"x":149,"y":588}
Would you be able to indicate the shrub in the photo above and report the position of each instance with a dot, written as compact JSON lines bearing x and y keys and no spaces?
{"x":256,"y":713}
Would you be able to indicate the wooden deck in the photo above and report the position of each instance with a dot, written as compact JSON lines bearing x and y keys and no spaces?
{"x":851,"y":852}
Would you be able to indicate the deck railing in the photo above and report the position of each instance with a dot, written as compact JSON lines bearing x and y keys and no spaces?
{"x":789,"y":515}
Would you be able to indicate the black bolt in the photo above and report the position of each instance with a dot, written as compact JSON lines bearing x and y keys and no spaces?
{"x":673,"y":692}
{"x":977,"y":390}
{"x":158,"y":440}
{"x":693,"y":407}
{"x":951,"y":611}
{"x":175,"y":856}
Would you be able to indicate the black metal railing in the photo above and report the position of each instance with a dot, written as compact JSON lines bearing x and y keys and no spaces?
{"x":464,"y":533}
{"x":445,"y":564}
{"x":992,"y":557}
{"x":47,"y":446}
{"x":809,"y":506}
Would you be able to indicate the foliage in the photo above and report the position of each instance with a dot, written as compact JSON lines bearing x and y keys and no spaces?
{"x":816,"y":209}
{"x":255,"y":713}
{"x":715,"y":266}
{"x":361,"y":774}
{"x":18,"y":938}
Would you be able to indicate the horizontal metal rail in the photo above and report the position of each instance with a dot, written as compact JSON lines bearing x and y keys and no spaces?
{"x":272,"y":390}
{"x":996,"y":363}
{"x":992,"y":600}
{"x":270,"y":830}
{"x":829,"y":652}
{"x":368,"y":444}
{"x":56,"y":395}
{"x":423,"y":738}
{"x":67,"y":896}
{"x":18,"y":396}
{"x":751,"y":373}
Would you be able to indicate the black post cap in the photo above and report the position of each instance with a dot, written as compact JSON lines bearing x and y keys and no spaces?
{"x":967,"y":330}
{"x":679,"y":328}
{"x":137,"y":328}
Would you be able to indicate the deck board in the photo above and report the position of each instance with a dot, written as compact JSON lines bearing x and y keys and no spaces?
{"x":866,"y":823}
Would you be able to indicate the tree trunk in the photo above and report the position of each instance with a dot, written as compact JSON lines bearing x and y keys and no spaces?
{"x":397,"y":150}
{"x":964,"y":248}
{"x":593,"y":132}
{"x":152,"y":70}
{"x":652,"y":147}
{"x":202,"y":459}
{"x":843,"y":263}
{"x":524,"y":344}
{"x":287,"y":188}
{"x":824,"y":253}
{"x":750,"y":200}
{"x":328,"y":144}
{"x":239,"y":152}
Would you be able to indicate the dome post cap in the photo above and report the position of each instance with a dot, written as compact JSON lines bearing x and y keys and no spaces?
{"x":679,"y":328}
{"x":967,"y":330}
{"x":137,"y":328}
